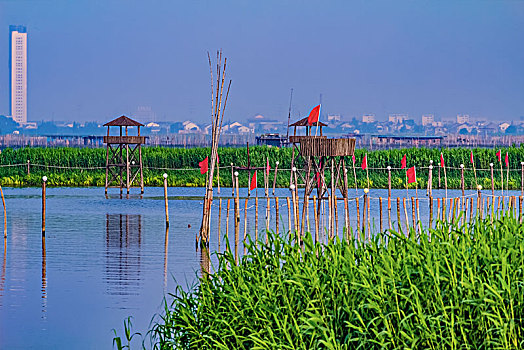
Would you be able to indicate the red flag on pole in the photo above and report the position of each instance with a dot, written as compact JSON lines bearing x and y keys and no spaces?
{"x":499,"y":155}
{"x":313,"y":115}
{"x":267,"y":166}
{"x":471,"y":158}
{"x":441,"y":160}
{"x":403,"y":162}
{"x":364,"y":162}
{"x":253,"y":184}
{"x":412,"y":175}
{"x":506,"y":160}
{"x":317,"y":177}
{"x":203,"y":166}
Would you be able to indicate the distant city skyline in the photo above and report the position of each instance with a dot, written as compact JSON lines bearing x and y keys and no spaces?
{"x":91,"y":61}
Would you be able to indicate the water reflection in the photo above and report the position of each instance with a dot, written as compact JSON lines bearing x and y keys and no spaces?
{"x":123,"y":241}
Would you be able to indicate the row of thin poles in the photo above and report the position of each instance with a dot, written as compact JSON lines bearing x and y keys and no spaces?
{"x":407,"y":219}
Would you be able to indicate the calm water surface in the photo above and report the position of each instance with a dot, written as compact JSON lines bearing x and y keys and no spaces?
{"x":108,"y":258}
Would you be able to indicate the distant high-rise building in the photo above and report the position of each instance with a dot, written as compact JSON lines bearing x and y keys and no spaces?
{"x":18,"y":73}
{"x":427,"y":119}
{"x":368,"y":118}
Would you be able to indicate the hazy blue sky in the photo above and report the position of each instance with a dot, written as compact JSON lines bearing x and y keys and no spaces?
{"x":94,"y":60}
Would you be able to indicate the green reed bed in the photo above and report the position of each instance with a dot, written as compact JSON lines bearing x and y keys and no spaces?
{"x":463,"y":288}
{"x":85,"y":166}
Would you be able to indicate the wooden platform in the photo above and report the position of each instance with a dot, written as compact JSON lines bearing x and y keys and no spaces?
{"x":311,"y":146}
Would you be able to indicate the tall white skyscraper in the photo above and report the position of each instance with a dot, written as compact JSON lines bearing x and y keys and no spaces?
{"x":18,"y":73}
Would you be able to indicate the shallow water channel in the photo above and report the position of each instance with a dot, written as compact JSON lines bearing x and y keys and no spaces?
{"x":106,"y":258}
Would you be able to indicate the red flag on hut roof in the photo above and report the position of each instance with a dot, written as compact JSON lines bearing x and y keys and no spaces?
{"x":499,"y":156}
{"x":364,"y":162}
{"x":471,"y":158}
{"x":441,"y":160}
{"x":506,"y":160}
{"x":412,"y":175}
{"x":313,"y":115}
{"x":203,"y":166}
{"x":403,"y":162}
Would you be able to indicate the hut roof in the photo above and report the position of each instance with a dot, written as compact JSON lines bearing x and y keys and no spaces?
{"x":123,"y":121}
{"x":303,"y":122}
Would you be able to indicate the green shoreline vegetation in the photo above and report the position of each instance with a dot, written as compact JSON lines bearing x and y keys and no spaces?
{"x":158,"y":160}
{"x":455,"y":286}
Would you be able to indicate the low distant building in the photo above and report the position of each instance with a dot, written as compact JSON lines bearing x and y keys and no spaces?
{"x":333,"y":118}
{"x":397,"y":118}
{"x":394,"y":141}
{"x":428,"y":119}
{"x":368,"y":118}
{"x":504,"y":126}
{"x":189,"y":127}
{"x":462,"y":118}
{"x":272,"y":140}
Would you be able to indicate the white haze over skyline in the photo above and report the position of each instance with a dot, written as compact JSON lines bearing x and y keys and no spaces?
{"x":95,"y":60}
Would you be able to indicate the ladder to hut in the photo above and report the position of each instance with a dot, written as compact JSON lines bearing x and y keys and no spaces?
{"x":124,"y":155}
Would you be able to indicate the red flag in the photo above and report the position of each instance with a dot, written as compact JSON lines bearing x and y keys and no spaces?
{"x":364,"y":162}
{"x":403,"y":162}
{"x":218,"y":159}
{"x":499,"y":156}
{"x":253,"y":184}
{"x":506,"y":160}
{"x":267,"y":166}
{"x":203,"y":166}
{"x":354,"y":159}
{"x":313,"y":115}
{"x":411,"y":173}
{"x":471,"y":158}
{"x":441,"y":160}
{"x":317,"y":177}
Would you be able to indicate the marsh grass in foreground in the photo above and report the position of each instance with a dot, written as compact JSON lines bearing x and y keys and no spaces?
{"x":463,"y":288}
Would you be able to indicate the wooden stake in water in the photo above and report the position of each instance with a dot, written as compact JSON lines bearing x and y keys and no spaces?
{"x":358,"y":218}
{"x":471,"y":208}
{"x":316,"y":217}
{"x":44,"y":180}
{"x":346,"y":218}
{"x":413,"y":211}
{"x":492,"y":179}
{"x":330,"y":200}
{"x":28,"y":167}
{"x":294,"y":199}
{"x":335,"y":216}
{"x":389,"y":212}
{"x":398,"y":215}
{"x":227,"y":219}
{"x":430,"y":179}
{"x":233,"y":183}
{"x":364,"y":212}
{"x":438,"y":209}
{"x":5,"y":213}
{"x":276,"y":215}
{"x":479,"y":201}
{"x":430,"y":212}
{"x":165,"y":200}
{"x":275,"y":177}
{"x":406,"y":215}
{"x":380,"y":210}
{"x":462,"y":180}
{"x":245,"y":225}
{"x":418,"y":217}
{"x":268,"y":213}
{"x":289,"y":216}
{"x":256,"y":220}
{"x":520,"y":208}
{"x":219,"y":221}
{"x":389,"y":182}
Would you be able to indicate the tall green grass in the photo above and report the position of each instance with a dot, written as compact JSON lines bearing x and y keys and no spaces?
{"x":155,"y":159}
{"x":463,"y":288}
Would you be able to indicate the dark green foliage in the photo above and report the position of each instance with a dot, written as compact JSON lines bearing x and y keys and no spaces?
{"x":158,"y":160}
{"x":463,"y":288}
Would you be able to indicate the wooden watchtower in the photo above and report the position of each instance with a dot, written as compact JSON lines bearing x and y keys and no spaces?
{"x":124,"y":155}
{"x":318,"y":154}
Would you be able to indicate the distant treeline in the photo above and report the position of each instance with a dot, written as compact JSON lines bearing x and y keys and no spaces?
{"x":86,"y":166}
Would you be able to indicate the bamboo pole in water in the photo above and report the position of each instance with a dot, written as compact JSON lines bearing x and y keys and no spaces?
{"x":358,"y":219}
{"x":316,"y":217}
{"x":479,"y":202}
{"x":5,"y":213}
{"x":294,"y":199}
{"x":227,"y":219}
{"x":364,"y":212}
{"x":219,"y":221}
{"x":520,"y":208}
{"x":256,"y":220}
{"x":330,"y":218}
{"x":471,"y":208}
{"x":335,"y":217}
{"x":444,"y":217}
{"x":413,"y":216}
{"x":268,"y":213}
{"x":276,"y":215}
{"x":380,"y":210}
{"x":438,"y":209}
{"x":44,"y":179}
{"x":237,"y":216}
{"x":275,"y":178}
{"x":369,"y":218}
{"x":492,"y":180}
{"x":430,"y":212}
{"x":389,"y":213}
{"x":165,"y":200}
{"x":245,"y":224}
{"x":289,"y":215}
{"x":346,"y":218}
{"x":406,"y":215}
{"x":418,"y":217}
{"x":398,"y":215}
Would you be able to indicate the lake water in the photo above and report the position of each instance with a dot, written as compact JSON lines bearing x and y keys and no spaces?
{"x":108,"y":258}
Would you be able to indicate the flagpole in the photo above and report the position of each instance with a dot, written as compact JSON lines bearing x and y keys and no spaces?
{"x":501,"y":177}
{"x":445,"y":181}
{"x":318,"y":119}
{"x":355,"y":175}
{"x":407,"y":191}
